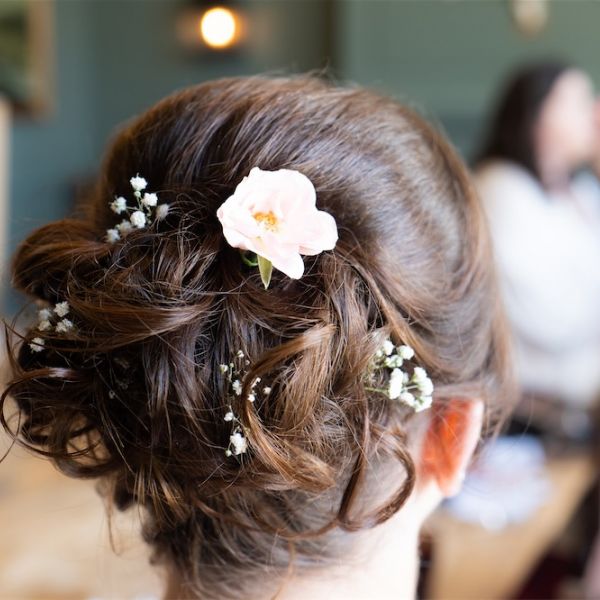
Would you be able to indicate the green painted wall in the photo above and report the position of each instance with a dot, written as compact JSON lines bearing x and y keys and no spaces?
{"x":447,"y":57}
{"x":47,"y":155}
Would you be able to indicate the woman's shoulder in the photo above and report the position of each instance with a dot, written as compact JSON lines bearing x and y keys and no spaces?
{"x":505,"y":185}
{"x":505,"y":173}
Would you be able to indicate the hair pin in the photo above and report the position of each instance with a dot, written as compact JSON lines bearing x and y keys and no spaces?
{"x":235,"y":372}
{"x":51,"y":320}
{"x":273,"y":215}
{"x":414,"y":391}
{"x":147,"y":208}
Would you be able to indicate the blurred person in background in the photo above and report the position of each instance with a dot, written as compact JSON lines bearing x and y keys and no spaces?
{"x":592,"y":179}
{"x":545,"y":224}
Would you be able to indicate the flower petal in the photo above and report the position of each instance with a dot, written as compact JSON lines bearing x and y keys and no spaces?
{"x":321,"y":234}
{"x":274,"y":214}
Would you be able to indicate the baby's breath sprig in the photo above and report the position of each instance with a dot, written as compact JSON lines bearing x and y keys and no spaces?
{"x":146,"y":209}
{"x":51,"y":320}
{"x":235,"y":373}
{"x":37,"y":344}
{"x":238,"y":444}
{"x":414,"y":391}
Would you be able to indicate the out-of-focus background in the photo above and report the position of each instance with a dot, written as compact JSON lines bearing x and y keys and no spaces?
{"x":72,"y":70}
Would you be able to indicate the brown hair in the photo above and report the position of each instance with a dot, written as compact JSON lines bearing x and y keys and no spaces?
{"x":165,"y":306}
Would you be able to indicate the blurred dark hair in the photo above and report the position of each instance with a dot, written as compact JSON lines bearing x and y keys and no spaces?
{"x":511,"y":129}
{"x":165,"y":306}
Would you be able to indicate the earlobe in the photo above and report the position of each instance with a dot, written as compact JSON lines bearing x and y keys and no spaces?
{"x":449,"y":443}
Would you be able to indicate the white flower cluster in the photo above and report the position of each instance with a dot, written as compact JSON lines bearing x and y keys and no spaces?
{"x":234,"y":373}
{"x":415,"y":391}
{"x":238,"y":444}
{"x":49,"y":320}
{"x":138,"y":216}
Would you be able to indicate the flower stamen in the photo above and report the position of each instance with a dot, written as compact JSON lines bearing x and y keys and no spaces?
{"x":267,"y":221}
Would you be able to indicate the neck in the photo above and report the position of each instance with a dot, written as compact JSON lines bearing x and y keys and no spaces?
{"x":385,"y":567}
{"x":555,"y":174}
{"x":383,"y":564}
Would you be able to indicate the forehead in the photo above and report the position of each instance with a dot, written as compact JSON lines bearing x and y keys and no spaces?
{"x":572,"y":84}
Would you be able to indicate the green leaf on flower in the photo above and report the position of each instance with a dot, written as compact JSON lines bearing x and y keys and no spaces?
{"x":266,"y":269}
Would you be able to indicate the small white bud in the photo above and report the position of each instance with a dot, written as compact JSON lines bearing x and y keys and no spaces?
{"x":37,"y":344}
{"x":138,"y":183}
{"x":162,"y":210}
{"x":237,"y":387}
{"x":393,"y":361}
{"x":138,"y":219}
{"x":388,"y":347}
{"x":407,"y":398}
{"x":228,"y":416}
{"x":62,"y":309}
{"x":150,"y":199}
{"x":239,"y":443}
{"x":425,"y":386}
{"x":64,"y":326}
{"x":44,"y":325}
{"x":424,"y":403}
{"x":124,"y":227}
{"x":396,"y":384}
{"x":44,"y":314}
{"x":406,"y":352}
{"x":419,"y":374}
{"x":118,"y":205}
{"x":112,"y":236}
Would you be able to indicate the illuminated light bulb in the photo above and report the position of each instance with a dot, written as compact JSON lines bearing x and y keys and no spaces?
{"x":219,"y":28}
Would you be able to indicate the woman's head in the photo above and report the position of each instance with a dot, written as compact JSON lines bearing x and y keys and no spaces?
{"x":135,"y":394}
{"x":544,"y":119}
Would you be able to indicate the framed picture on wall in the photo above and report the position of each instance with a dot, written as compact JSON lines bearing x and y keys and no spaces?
{"x":27,"y":55}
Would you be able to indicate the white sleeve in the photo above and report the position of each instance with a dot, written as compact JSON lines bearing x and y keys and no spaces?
{"x":550,"y":280}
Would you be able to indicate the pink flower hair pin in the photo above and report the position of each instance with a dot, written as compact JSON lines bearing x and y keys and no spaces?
{"x":273,"y":214}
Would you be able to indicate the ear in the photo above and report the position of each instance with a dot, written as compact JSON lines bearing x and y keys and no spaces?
{"x":449,"y":443}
